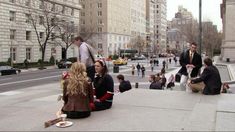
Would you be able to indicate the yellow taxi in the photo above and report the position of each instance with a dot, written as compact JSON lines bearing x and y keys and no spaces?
{"x":120,"y":62}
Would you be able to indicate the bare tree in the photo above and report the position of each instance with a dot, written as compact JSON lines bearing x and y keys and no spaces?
{"x":211,"y":38}
{"x":43,"y":21}
{"x":87,"y":33}
{"x":190,"y":30}
{"x":67,"y":30}
{"x":138,"y":43}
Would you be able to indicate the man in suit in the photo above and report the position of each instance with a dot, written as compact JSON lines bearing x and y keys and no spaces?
{"x":190,"y":62}
{"x":209,"y":82}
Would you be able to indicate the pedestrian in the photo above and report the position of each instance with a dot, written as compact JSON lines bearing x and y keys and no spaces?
{"x":164,"y":64}
{"x":77,"y":93}
{"x":125,"y":85}
{"x":133,"y":70}
{"x":154,"y":83}
{"x":103,"y":86}
{"x":157,"y":62}
{"x":170,"y":60}
{"x":190,"y":62}
{"x":138,"y":68}
{"x":163,"y":81}
{"x":209,"y":81}
{"x":143,"y":71}
{"x":152,"y":67}
{"x":86,"y":56}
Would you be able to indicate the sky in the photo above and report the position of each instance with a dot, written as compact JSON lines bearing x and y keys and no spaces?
{"x":210,"y":10}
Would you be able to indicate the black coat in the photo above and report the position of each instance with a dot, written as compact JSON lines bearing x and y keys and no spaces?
{"x":196,"y":61}
{"x":212,"y":80}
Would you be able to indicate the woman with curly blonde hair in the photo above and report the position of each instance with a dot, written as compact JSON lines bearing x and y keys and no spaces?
{"x":77,"y":92}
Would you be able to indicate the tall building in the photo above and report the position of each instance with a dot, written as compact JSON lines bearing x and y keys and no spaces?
{"x":186,"y":26}
{"x":150,"y":4}
{"x":106,"y":24}
{"x":160,"y":26}
{"x":228,"y":19}
{"x":18,"y":37}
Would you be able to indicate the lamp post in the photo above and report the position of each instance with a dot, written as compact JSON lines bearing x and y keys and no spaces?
{"x":200,"y":27}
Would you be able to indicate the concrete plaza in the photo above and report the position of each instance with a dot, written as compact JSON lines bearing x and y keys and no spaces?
{"x":139,"y":109}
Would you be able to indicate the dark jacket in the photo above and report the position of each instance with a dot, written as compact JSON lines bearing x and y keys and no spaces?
{"x":125,"y":86}
{"x":196,"y":61}
{"x":155,"y":85}
{"x":212,"y":80}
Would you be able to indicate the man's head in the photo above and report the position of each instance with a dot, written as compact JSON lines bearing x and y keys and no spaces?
{"x":152,"y":78}
{"x":193,"y":47}
{"x":78,"y":40}
{"x":208,"y":62}
{"x":120,"y":77}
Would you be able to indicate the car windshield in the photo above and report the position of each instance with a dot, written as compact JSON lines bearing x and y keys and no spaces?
{"x":5,"y":67}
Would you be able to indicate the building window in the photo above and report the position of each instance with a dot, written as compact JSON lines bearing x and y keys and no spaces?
{"x":27,"y":17}
{"x":28,"y":53}
{"x":13,"y":53}
{"x":28,"y":35}
{"x":100,"y":22}
{"x":99,"y":13}
{"x":53,"y":7}
{"x":12,"y":34}
{"x":100,"y":46}
{"x":12,"y":1}
{"x":99,"y":5}
{"x":99,"y":29}
{"x":52,"y":36}
{"x":63,"y":10}
{"x":72,"y":12}
{"x":41,"y":4}
{"x":27,"y":2}
{"x":41,"y":35}
{"x":82,"y":13}
{"x":12,"y":16}
{"x":41,"y":20}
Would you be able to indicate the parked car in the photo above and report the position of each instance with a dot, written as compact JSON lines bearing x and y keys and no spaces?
{"x":120,"y":62}
{"x":142,"y":57}
{"x":64,"y":64}
{"x":8,"y":70}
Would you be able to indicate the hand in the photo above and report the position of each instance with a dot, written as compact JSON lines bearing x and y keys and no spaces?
{"x":97,"y":100}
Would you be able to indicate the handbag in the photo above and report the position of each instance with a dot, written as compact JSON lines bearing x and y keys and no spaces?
{"x":178,"y":77}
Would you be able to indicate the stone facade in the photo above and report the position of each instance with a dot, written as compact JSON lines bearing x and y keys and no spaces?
{"x":228,"y":18}
{"x":18,"y":38}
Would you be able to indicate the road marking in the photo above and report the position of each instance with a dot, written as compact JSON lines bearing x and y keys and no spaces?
{"x":5,"y":79}
{"x":10,"y":93}
{"x":30,"y":80}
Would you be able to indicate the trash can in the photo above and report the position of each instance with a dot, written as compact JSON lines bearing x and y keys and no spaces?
{"x":115,"y":69}
{"x":228,"y":60}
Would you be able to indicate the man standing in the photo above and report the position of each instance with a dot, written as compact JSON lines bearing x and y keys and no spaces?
{"x":211,"y":80}
{"x":190,"y":62}
{"x":86,"y":56}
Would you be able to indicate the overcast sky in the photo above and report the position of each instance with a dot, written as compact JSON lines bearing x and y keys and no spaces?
{"x":210,"y":10}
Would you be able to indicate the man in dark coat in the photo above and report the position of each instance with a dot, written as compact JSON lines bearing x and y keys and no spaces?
{"x":211,"y":79}
{"x":190,"y":62}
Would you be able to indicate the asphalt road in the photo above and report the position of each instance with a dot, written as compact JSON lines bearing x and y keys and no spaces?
{"x":29,"y":79}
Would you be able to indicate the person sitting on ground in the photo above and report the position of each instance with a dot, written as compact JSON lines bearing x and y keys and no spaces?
{"x":104,"y":87}
{"x":171,"y":82}
{"x":124,"y":85}
{"x":163,"y":81}
{"x":209,"y":81}
{"x":154,"y":83}
{"x":77,"y":92}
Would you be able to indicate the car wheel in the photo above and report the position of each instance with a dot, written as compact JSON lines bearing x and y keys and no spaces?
{"x":0,"y":73}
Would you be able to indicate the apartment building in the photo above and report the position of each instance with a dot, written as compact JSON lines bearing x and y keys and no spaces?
{"x":105,"y":24}
{"x":160,"y":26}
{"x":17,"y":35}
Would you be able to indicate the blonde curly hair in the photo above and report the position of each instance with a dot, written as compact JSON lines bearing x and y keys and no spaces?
{"x":77,"y":79}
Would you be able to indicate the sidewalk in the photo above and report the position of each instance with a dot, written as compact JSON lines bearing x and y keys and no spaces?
{"x":35,"y":69}
{"x":134,"y":110}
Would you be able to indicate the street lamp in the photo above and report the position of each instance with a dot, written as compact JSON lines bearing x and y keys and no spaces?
{"x":200,"y":27}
